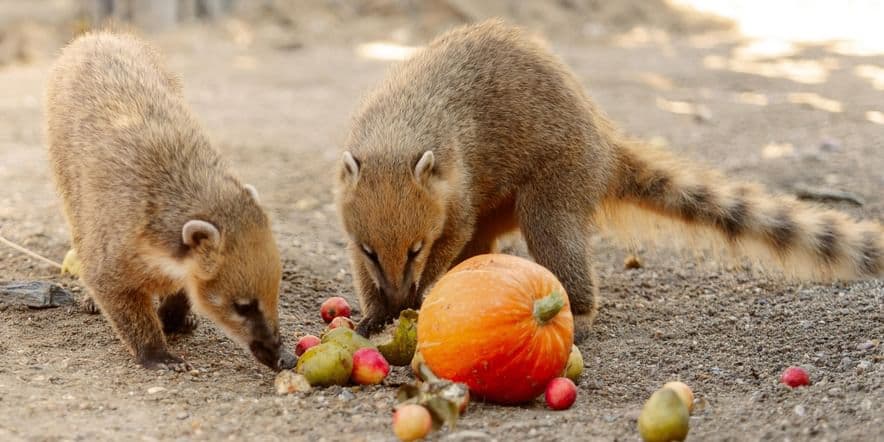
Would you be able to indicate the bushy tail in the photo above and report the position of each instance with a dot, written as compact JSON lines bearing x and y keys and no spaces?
{"x":656,"y":191}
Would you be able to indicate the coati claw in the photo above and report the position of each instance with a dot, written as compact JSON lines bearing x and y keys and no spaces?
{"x":87,"y":305}
{"x":166,"y":362}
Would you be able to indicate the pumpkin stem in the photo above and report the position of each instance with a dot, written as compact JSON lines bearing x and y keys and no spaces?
{"x":548,"y":307}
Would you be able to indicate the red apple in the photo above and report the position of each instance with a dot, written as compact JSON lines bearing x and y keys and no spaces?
{"x":334,"y":307}
{"x":304,"y":343}
{"x":795,"y":377}
{"x":560,"y":393}
{"x":411,"y":422}
{"x":369,"y":367}
{"x":342,"y":321}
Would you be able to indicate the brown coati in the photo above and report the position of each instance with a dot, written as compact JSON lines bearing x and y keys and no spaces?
{"x":484,"y":132}
{"x":153,"y":209}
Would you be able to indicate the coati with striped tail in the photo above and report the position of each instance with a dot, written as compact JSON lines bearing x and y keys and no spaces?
{"x":484,"y":131}
{"x":153,"y":209}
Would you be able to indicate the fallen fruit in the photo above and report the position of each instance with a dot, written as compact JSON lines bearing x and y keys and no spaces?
{"x":444,"y":399}
{"x":684,"y":393}
{"x":498,"y":323}
{"x":71,"y":263}
{"x":326,"y":364}
{"x":305,"y":343}
{"x":334,"y":307}
{"x":574,"y":368}
{"x":399,"y":341}
{"x":288,"y":382}
{"x":342,"y":322}
{"x":664,"y":417}
{"x":369,"y":367}
{"x":795,"y":377}
{"x":411,"y":422}
{"x":632,"y":262}
{"x":560,"y":394}
{"x":349,"y":339}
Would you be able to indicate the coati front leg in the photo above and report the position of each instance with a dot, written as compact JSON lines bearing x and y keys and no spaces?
{"x":558,"y":239}
{"x":174,"y":313}
{"x":375,"y":309}
{"x":132,"y":315}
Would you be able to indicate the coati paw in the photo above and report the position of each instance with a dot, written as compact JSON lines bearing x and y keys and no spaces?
{"x":369,"y":326}
{"x":88,"y":305}
{"x":179,"y":325}
{"x":165,"y":362}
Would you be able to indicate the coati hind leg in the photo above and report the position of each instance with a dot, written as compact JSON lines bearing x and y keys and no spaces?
{"x":132,"y":316}
{"x":87,"y":304}
{"x":174,"y":313}
{"x":558,"y":239}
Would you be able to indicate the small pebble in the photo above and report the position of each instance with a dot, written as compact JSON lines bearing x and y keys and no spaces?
{"x":800,"y":411}
{"x":346,"y":395}
{"x":183,"y":415}
{"x":155,"y":390}
{"x":863,"y":366}
{"x":835,"y":392}
{"x":868,"y":345}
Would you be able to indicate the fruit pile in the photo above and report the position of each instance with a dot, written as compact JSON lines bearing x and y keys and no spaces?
{"x":341,"y":356}
{"x":495,"y":327}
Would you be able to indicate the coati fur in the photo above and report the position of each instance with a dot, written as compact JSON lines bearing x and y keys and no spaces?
{"x":485,"y":131}
{"x":152,"y":207}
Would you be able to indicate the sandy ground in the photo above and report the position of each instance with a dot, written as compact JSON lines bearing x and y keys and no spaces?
{"x":280,"y":113}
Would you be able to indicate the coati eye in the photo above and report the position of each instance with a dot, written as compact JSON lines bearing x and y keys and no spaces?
{"x":369,"y":253}
{"x":415,"y":249}
{"x":246,"y":308}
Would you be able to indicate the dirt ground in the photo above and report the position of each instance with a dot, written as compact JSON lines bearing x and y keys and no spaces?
{"x":280,"y":112}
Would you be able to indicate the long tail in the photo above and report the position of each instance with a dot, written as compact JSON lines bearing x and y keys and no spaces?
{"x":654,"y":191}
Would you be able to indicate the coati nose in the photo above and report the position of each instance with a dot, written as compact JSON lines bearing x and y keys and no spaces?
{"x":287,"y":360}
{"x":266,"y":353}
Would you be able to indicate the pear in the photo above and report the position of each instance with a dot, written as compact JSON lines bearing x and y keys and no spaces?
{"x":326,"y":364}
{"x":664,"y":417}
{"x":347,"y":338}
{"x":574,"y":367}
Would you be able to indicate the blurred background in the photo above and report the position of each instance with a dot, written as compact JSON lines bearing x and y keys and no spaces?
{"x":31,"y":29}
{"x":787,"y":93}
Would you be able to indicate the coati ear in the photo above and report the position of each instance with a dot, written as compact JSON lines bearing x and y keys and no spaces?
{"x":252,"y":191}
{"x":351,"y":167}
{"x":197,"y":232}
{"x":424,"y":167}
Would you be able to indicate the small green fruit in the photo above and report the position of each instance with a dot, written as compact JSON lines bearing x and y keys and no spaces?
{"x":347,"y":338}
{"x":664,"y":417}
{"x":326,"y":364}
{"x":574,"y":368}
{"x":399,"y":341}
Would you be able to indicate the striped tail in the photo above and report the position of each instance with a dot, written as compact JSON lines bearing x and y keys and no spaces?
{"x":655,"y":191}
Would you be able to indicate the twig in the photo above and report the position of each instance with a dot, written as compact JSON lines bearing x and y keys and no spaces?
{"x":28,"y":252}
{"x":821,"y":194}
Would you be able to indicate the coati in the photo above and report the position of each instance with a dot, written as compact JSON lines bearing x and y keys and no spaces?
{"x":485,"y":131}
{"x":152,"y":207}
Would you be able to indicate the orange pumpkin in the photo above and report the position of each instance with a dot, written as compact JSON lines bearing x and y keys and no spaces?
{"x":498,"y":323}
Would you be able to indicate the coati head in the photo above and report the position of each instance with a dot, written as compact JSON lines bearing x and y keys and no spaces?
{"x":234,"y":280}
{"x":393,"y":211}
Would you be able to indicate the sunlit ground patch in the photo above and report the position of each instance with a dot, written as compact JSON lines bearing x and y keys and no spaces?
{"x":873,"y":73}
{"x":875,"y":117}
{"x":385,"y":51}
{"x":816,"y":101}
